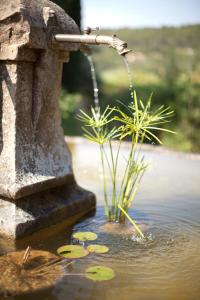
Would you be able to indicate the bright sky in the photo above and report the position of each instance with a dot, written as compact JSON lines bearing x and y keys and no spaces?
{"x":139,"y":13}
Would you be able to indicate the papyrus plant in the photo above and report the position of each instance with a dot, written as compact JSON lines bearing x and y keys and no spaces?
{"x":137,"y":122}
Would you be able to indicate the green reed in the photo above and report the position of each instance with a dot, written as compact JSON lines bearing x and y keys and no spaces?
{"x":138,"y":122}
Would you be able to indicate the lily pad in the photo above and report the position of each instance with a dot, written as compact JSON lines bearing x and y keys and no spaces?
{"x":72,"y":251}
{"x":85,"y":236}
{"x":97,"y":248}
{"x":99,"y":273}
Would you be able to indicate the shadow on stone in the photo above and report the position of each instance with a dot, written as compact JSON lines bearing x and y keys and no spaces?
{"x":27,"y":215}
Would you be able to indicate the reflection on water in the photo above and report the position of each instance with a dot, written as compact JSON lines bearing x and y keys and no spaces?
{"x":167,"y":265}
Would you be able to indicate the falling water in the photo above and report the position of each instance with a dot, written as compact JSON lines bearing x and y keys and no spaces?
{"x":94,"y":80}
{"x":129,"y":76}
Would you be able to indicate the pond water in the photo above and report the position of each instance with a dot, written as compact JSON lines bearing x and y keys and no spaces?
{"x":167,"y":266}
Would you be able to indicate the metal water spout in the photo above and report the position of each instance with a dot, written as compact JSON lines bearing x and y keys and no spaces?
{"x":89,"y":39}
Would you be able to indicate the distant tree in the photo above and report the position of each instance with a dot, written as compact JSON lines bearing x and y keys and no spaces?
{"x":72,"y":8}
{"x":76,"y":74}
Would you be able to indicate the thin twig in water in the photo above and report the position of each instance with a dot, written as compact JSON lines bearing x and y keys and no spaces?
{"x":54,"y":261}
{"x":45,"y":267}
{"x":26,"y":255}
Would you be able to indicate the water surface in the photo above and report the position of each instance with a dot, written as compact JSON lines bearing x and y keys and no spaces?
{"x":167,"y":266}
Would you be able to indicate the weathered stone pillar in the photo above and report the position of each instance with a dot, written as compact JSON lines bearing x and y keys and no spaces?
{"x":33,"y":155}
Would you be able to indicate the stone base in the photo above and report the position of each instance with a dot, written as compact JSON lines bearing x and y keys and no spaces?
{"x":24,"y":216}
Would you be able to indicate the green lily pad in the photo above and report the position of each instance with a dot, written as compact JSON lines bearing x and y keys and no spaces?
{"x":99,"y":273}
{"x":85,"y":236}
{"x":97,"y":248}
{"x":72,"y":251}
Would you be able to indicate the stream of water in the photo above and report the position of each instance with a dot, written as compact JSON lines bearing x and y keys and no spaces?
{"x":94,"y":82}
{"x":95,"y":85}
{"x":129,"y":76}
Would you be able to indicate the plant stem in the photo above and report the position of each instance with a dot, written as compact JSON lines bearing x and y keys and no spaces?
{"x":124,"y":175}
{"x":113,"y":182}
{"x":132,"y":221}
{"x":133,"y":192}
{"x":115,"y":172}
{"x":104,"y":183}
{"x":128,"y":176}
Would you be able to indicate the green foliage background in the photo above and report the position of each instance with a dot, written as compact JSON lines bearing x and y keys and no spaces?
{"x":76,"y":74}
{"x":165,"y":61}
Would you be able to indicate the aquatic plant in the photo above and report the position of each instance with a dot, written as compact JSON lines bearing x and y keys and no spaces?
{"x":72,"y":251}
{"x":77,"y":251}
{"x":84,"y":236}
{"x":95,"y":273}
{"x":138,"y":122}
{"x":99,"y":273}
{"x":97,"y":248}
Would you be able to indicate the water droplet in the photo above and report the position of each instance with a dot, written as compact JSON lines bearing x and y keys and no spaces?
{"x":129,"y":76}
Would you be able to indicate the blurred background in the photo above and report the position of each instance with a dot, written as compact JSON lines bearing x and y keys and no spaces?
{"x":165,"y":38}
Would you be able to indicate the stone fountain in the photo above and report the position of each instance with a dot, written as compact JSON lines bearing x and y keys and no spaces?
{"x":37,"y":185}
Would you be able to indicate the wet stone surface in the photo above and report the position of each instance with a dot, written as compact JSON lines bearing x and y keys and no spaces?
{"x":121,"y":229}
{"x":25,"y":216}
{"x":41,"y":271}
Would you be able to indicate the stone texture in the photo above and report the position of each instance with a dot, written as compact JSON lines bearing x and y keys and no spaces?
{"x":26,"y":215}
{"x":33,"y":154}
{"x":32,"y":23}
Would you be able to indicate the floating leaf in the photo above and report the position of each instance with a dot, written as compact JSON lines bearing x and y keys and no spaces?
{"x":97,"y":248}
{"x":99,"y":273}
{"x":72,"y":251}
{"x":85,"y":236}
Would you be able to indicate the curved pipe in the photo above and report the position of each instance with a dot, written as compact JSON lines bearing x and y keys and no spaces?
{"x":112,"y":41}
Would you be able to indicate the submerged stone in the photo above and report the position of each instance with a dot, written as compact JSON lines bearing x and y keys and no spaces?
{"x":121,"y":229}
{"x":41,"y":270}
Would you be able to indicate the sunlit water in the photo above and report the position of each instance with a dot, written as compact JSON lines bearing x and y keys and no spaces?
{"x":94,"y":83}
{"x":167,"y":265}
{"x":129,"y":75}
